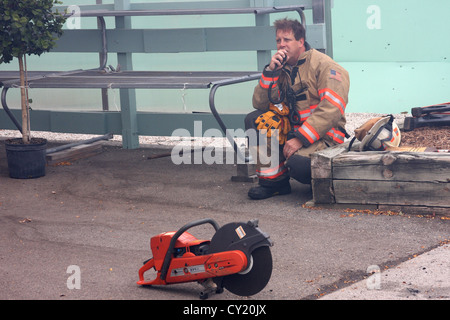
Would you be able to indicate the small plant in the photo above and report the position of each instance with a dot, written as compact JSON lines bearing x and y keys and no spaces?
{"x":27,"y":27}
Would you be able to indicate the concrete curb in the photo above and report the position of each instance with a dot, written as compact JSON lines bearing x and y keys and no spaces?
{"x":425,"y":277}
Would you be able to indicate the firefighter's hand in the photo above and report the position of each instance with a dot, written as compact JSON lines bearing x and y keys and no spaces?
{"x":278,"y":60}
{"x":291,"y":146}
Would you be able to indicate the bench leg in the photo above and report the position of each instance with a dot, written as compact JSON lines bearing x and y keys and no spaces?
{"x":130,"y":136}
{"x":245,"y":171}
{"x":130,"y":133}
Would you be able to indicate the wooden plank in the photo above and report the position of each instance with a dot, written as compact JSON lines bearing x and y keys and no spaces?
{"x":149,"y":123}
{"x":240,"y":38}
{"x":392,"y":166}
{"x":392,"y":192}
{"x":170,"y":40}
{"x":321,"y":161}
{"x":79,"y":41}
{"x":173,"y":40}
{"x":251,"y":38}
{"x":75,"y":153}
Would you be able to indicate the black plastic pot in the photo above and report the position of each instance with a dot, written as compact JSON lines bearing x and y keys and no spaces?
{"x":26,"y":161}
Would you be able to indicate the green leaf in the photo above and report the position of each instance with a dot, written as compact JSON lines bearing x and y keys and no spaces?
{"x":28,"y":27}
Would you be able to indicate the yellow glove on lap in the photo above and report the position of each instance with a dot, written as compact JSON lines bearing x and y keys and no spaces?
{"x":275,"y":119}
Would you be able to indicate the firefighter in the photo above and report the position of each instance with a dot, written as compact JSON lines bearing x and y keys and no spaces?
{"x":300,"y":100}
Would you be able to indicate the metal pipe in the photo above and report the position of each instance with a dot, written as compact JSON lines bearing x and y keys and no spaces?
{"x":169,"y":12}
{"x":8,"y":112}
{"x":70,"y":145}
{"x":104,"y":59}
{"x":102,"y":25}
{"x":212,"y":106}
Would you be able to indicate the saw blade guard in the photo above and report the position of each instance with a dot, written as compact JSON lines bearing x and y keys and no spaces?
{"x":250,"y":239}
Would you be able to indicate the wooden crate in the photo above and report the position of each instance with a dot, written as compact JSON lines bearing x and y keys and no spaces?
{"x":416,"y":182}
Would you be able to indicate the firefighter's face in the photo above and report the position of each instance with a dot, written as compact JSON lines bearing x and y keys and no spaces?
{"x":287,"y":42}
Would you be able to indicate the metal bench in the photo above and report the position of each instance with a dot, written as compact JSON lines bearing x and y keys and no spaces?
{"x":131,"y":124}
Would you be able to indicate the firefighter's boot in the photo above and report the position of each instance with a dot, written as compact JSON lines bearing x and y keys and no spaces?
{"x":267,"y":189}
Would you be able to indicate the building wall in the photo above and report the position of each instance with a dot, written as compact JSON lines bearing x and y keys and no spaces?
{"x":396,"y":52}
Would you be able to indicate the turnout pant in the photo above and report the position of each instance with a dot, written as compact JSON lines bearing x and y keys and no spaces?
{"x":277,"y":170}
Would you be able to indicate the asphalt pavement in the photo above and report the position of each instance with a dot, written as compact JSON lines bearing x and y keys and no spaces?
{"x":82,"y":232}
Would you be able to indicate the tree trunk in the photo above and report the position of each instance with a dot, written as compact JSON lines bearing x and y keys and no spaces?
{"x":24,"y":103}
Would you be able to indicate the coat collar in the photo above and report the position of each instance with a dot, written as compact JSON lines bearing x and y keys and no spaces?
{"x":304,"y":55}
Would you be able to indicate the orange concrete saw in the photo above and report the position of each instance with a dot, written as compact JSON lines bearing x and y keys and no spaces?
{"x":237,"y":258}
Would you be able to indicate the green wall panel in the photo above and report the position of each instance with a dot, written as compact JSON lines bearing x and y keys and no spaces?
{"x":387,"y":30}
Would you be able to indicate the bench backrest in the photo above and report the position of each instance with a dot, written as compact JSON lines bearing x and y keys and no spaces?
{"x":258,"y":37}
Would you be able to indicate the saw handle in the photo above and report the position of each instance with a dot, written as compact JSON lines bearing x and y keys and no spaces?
{"x":168,"y":256}
{"x":150,"y":263}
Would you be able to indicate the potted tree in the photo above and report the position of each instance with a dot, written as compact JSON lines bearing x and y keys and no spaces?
{"x":27,"y":27}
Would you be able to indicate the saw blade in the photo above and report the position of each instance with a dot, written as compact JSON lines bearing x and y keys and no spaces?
{"x":255,"y":278}
{"x":255,"y":244}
